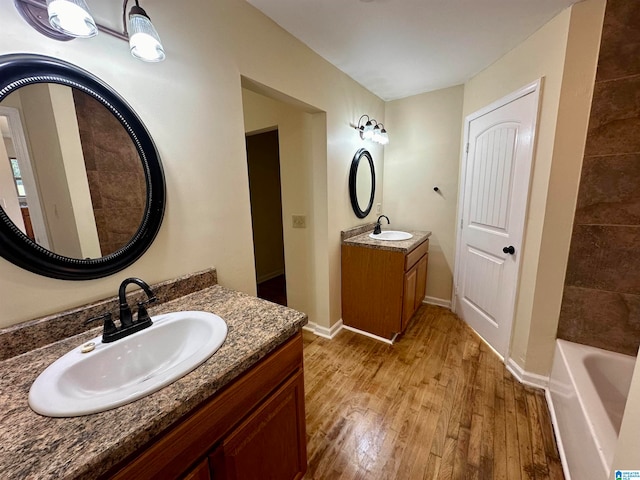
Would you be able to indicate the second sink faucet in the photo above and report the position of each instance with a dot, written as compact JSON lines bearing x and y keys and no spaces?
{"x":377,"y":230}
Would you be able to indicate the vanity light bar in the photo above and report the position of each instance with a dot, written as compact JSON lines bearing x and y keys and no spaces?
{"x":372,"y":130}
{"x":144,"y":41}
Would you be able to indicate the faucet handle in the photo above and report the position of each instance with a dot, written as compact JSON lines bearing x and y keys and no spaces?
{"x":143,"y":315}
{"x":109,"y":327}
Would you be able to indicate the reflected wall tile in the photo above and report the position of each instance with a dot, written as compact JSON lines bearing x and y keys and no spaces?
{"x":122,"y":190}
{"x":609,"y":191}
{"x":605,"y":257}
{"x":601,"y":319}
{"x":122,"y":224}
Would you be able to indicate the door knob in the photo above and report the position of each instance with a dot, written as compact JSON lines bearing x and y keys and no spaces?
{"x":510,"y":250}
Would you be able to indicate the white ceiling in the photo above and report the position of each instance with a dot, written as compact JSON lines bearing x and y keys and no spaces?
{"x":398,"y":48}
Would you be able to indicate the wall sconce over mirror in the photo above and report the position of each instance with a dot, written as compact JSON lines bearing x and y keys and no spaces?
{"x":69,"y":19}
{"x":372,"y":130}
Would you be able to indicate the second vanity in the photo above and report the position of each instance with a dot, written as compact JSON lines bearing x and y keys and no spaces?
{"x":383,"y":282}
{"x":240,"y":410}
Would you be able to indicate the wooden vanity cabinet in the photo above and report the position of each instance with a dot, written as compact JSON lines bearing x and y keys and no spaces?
{"x":254,"y":428}
{"x":382,"y":289}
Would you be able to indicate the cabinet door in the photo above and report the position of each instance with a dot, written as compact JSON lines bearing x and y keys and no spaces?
{"x":271,"y":443}
{"x":200,"y":472}
{"x":409,"y":300}
{"x":421,"y":281}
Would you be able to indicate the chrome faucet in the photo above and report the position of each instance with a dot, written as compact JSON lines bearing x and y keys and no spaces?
{"x":128,"y":325}
{"x":378,"y":228}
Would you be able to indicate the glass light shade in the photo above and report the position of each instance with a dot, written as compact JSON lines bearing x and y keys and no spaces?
{"x":384,"y":137}
{"x":144,"y":41}
{"x":376,"y":134}
{"x":71,"y":17}
{"x":367,"y":133}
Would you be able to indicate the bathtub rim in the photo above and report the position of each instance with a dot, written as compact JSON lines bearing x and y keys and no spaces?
{"x":562,"y":348}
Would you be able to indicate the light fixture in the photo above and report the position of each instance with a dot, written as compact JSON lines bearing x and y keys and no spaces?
{"x":71,"y":17}
{"x":372,"y":130}
{"x":68,"y":19}
{"x":380,"y":134}
{"x":144,"y":41}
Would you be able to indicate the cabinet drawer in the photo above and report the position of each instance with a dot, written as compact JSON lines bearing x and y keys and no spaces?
{"x":416,"y":254}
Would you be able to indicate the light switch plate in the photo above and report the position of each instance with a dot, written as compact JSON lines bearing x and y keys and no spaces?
{"x":299,"y":221}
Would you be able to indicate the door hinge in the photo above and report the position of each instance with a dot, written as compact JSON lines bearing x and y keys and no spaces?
{"x":467,"y":148}
{"x":461,"y":222}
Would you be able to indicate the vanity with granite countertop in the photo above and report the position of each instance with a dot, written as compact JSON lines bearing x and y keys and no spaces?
{"x":240,"y":412}
{"x":383,"y":281}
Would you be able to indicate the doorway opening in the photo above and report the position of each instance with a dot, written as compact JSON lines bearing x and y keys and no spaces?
{"x":265,"y":190}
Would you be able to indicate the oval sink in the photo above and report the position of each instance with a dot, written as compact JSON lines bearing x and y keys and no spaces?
{"x":114,"y":374}
{"x":391,"y":235}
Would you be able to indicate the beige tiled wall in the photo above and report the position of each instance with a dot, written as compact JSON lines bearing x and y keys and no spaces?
{"x":601,"y":303}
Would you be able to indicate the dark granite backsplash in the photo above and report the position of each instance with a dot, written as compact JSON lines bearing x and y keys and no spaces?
{"x":27,"y":336}
{"x":354,"y":231}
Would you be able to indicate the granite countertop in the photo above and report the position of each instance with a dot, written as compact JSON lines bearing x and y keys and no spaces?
{"x":364,"y":240}
{"x":33,"y":446}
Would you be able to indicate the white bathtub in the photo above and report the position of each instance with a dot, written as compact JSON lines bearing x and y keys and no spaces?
{"x":588,"y":390}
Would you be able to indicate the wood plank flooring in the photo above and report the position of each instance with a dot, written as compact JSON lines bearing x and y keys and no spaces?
{"x":439,"y":404}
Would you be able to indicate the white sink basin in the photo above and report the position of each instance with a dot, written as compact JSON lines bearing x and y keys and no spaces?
{"x":114,"y":374}
{"x":391,"y":235}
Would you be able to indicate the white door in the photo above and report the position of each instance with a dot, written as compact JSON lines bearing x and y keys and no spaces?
{"x":495,"y":192}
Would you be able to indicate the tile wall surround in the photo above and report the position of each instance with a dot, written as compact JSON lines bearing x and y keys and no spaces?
{"x":39,"y":332}
{"x":601,"y":302}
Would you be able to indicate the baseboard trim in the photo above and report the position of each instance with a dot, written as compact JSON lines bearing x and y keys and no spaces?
{"x":324,"y":332}
{"x":440,"y":302}
{"x":527,"y":378}
{"x":370,"y":335}
{"x":556,"y":434}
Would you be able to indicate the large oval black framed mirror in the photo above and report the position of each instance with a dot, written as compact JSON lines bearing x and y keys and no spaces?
{"x":362,"y":183}
{"x":130,"y":172}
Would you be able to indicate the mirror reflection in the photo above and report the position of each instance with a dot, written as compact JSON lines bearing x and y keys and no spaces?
{"x":71,"y":178}
{"x":362,"y":183}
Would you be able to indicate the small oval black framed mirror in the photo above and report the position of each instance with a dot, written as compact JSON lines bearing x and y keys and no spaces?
{"x":362,"y":183}
{"x":98,"y":191}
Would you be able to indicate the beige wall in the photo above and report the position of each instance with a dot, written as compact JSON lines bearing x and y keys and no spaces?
{"x":68,"y":135}
{"x":8,"y":144}
{"x":261,"y":113}
{"x":564,"y":53}
{"x":192,"y":105}
{"x":48,"y":162}
{"x":424,"y":152}
{"x":303,"y":177}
